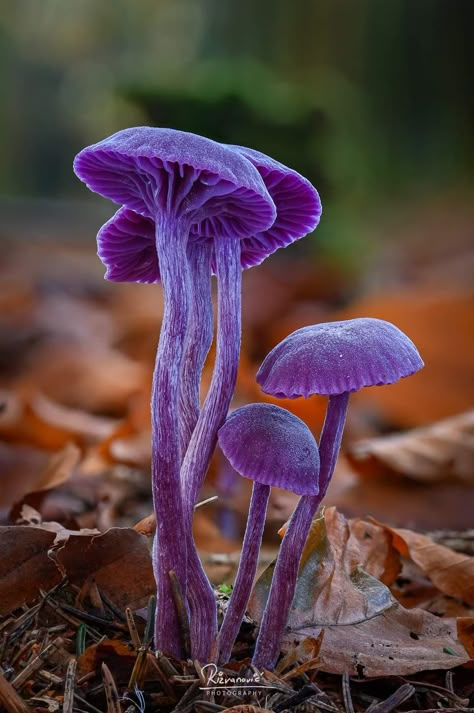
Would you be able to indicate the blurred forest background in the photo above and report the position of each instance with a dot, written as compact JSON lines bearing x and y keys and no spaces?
{"x":373,"y":101}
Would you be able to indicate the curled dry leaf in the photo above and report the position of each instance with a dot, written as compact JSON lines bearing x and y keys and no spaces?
{"x":339,"y":592}
{"x":442,"y":450}
{"x":36,"y":474}
{"x":37,"y":558}
{"x":34,"y":419}
{"x":451,"y":572}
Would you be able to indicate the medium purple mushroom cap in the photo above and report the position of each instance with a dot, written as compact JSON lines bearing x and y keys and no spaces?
{"x":271,"y":446}
{"x":149,"y":169}
{"x":126,"y":246}
{"x":297,"y":202}
{"x":337,"y":357}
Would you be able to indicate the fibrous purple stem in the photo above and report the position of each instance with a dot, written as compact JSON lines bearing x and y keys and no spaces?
{"x":200,"y":594}
{"x":246,"y":572}
{"x":169,"y":548}
{"x":199,"y":337}
{"x":283,"y":585}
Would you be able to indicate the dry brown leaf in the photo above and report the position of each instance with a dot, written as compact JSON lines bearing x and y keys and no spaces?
{"x":34,"y":419}
{"x":437,"y":452}
{"x":451,"y":572}
{"x":397,"y":642}
{"x":365,"y":630}
{"x":465,"y":627}
{"x":46,"y":474}
{"x":37,"y":558}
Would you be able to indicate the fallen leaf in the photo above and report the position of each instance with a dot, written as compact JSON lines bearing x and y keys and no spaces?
{"x":465,"y":627}
{"x":441,"y":451}
{"x":451,"y":572}
{"x":44,"y":473}
{"x":36,"y":558}
{"x":398,"y":642}
{"x":32,"y":418}
{"x":366,"y":632}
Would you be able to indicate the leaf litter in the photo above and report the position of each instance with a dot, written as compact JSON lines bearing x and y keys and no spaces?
{"x":74,"y":445}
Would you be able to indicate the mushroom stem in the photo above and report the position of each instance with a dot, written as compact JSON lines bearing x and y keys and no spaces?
{"x":169,"y":548}
{"x":200,"y":594}
{"x":246,"y":572}
{"x":284,"y":578}
{"x":199,"y":337}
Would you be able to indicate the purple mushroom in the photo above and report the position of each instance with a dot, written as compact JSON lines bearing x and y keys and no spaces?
{"x":298,"y":212}
{"x":272,"y":447}
{"x":178,"y":180}
{"x":330,"y":359}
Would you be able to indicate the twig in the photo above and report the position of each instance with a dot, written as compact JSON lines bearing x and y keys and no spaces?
{"x":111,"y":693}
{"x":150,"y":620}
{"x":69,"y":685}
{"x":346,"y":693}
{"x":9,"y":698}
{"x":401,"y":695}
{"x":178,"y":598}
{"x":98,"y":620}
{"x":132,"y":628}
{"x":36,"y":663}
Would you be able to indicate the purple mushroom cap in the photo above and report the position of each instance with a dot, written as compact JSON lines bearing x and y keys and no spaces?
{"x":270,"y":445}
{"x":126,"y":246}
{"x":149,"y":169}
{"x":337,"y":357}
{"x":297,"y":202}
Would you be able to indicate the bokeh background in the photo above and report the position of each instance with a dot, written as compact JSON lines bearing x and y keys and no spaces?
{"x":373,"y":101}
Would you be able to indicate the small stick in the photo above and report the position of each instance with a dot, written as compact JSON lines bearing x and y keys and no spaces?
{"x":132,"y":628}
{"x":163,"y":678}
{"x":137,"y":676}
{"x":9,"y":698}
{"x":69,"y":685}
{"x":111,"y":693}
{"x":113,"y":607}
{"x":346,"y":693}
{"x":93,"y":619}
{"x":150,"y":620}
{"x":36,"y":663}
{"x":401,"y":695}
{"x":178,"y":598}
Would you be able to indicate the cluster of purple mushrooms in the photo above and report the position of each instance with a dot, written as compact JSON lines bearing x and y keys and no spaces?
{"x":191,"y":208}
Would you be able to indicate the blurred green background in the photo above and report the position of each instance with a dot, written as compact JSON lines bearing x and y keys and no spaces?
{"x":371,"y":99}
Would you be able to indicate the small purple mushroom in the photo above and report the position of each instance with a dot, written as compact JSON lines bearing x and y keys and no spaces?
{"x":272,"y":447}
{"x":178,"y":180}
{"x":330,"y":359}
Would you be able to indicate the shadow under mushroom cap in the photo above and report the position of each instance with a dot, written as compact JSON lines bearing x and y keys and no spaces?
{"x":336,"y":357}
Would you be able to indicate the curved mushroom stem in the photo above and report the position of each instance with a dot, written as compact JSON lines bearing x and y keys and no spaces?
{"x":169,"y":549}
{"x":198,"y":340}
{"x":246,"y":572}
{"x":200,"y":594}
{"x":284,"y":578}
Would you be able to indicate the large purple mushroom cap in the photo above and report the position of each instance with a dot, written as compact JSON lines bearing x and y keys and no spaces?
{"x":149,"y":170}
{"x":271,"y":446}
{"x":337,"y":357}
{"x":297,"y":202}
